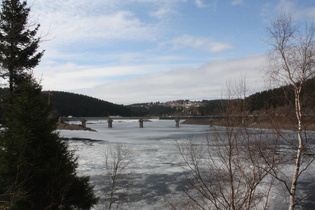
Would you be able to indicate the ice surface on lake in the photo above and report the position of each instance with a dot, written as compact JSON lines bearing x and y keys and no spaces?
{"x":155,"y":168}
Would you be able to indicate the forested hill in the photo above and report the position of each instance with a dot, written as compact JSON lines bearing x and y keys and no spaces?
{"x":71,"y":104}
{"x":280,"y":97}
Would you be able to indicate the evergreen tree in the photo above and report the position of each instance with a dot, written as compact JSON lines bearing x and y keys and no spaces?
{"x":37,"y":171}
{"x":18,"y":43}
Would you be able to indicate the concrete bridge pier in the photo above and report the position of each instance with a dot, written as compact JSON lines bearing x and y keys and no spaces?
{"x":83,"y":123}
{"x":110,"y":123}
{"x":177,"y":123}
{"x":141,"y":123}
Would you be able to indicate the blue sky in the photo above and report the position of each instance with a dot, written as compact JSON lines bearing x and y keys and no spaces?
{"x":128,"y":51}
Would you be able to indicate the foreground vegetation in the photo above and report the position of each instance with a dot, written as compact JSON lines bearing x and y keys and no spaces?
{"x":37,"y":170}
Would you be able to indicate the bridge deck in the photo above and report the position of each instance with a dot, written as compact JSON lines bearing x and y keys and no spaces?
{"x":102,"y":118}
{"x":137,"y":118}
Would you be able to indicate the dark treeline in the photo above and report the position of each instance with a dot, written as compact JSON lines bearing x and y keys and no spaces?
{"x":212,"y":107}
{"x":67,"y":104}
{"x":79,"y":105}
{"x":272,"y":99}
{"x":71,"y":104}
{"x":282,"y":97}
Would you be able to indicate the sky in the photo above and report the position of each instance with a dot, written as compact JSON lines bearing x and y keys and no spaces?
{"x":134,"y":51}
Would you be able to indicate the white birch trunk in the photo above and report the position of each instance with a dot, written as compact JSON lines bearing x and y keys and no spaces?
{"x":298,"y":112}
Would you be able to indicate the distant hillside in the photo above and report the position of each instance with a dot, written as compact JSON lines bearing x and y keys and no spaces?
{"x":280,"y":97}
{"x":274,"y":100}
{"x":71,"y":104}
{"x":212,"y":107}
{"x":154,"y":110}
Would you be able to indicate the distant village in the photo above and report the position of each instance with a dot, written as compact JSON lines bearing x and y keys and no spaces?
{"x":174,"y":108}
{"x":176,"y":104}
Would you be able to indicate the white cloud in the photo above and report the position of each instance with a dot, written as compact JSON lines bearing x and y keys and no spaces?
{"x":118,"y":57}
{"x":237,"y":2}
{"x":74,"y":7}
{"x":71,"y":76}
{"x":207,"y":44}
{"x":121,"y":25}
{"x":200,"y":4}
{"x":164,"y":13}
{"x":205,"y":82}
{"x":97,"y":21}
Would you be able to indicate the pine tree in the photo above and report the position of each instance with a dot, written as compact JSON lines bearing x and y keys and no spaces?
{"x":18,"y":43}
{"x":37,"y":170}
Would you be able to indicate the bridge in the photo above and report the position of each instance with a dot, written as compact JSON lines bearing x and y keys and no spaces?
{"x":140,"y":119}
{"x":195,"y":118}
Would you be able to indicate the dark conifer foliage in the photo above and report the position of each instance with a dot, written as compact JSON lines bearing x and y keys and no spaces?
{"x":212,"y":107}
{"x":18,"y":42}
{"x":37,"y":171}
{"x":77,"y":105}
{"x":283,"y":96}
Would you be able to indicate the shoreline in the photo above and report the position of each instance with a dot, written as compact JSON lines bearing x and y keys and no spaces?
{"x":262,"y":124}
{"x":64,"y":126}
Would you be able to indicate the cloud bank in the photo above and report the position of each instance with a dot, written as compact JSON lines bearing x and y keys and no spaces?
{"x":194,"y":83}
{"x":129,"y":51}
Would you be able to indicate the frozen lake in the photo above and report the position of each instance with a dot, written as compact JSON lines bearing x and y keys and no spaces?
{"x":155,"y":166}
{"x":155,"y":170}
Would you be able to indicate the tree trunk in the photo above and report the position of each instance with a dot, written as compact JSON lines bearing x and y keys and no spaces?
{"x":298,"y":112}
{"x":296,"y":173}
{"x":11,"y":74}
{"x":11,"y":87}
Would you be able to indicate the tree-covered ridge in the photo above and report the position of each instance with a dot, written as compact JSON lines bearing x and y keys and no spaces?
{"x":71,"y":104}
{"x":282,"y":97}
{"x":273,"y":99}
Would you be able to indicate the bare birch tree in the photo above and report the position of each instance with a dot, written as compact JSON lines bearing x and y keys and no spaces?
{"x":235,"y":108}
{"x":292,"y":63}
{"x":230,"y":169}
{"x":115,"y":179}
